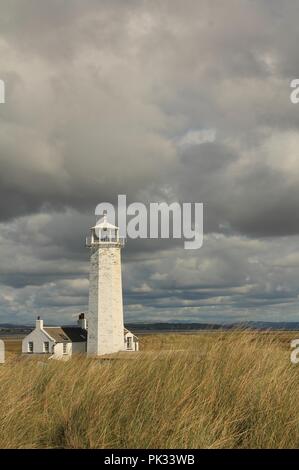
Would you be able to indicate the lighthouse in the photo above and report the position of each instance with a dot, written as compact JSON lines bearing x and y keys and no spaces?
{"x":105,"y":307}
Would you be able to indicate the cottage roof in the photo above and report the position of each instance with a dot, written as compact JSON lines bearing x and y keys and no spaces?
{"x":67,"y":334}
{"x":71,"y":334}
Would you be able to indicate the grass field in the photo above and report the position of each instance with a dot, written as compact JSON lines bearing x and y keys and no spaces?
{"x":233,"y":389}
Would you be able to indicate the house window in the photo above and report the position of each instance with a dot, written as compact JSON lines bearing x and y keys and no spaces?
{"x":64,"y":348}
{"x":46,"y":346}
{"x":129,"y":343}
{"x":30,"y":346}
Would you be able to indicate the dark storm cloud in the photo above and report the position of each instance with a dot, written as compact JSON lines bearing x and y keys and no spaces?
{"x":146,"y":73}
{"x":249,"y":196}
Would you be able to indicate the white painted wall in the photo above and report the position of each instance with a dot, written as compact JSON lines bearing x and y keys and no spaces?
{"x":134,"y":342}
{"x":38,"y":336}
{"x":2,"y":352}
{"x":71,"y":348}
{"x":58,"y":350}
{"x":105,"y":310}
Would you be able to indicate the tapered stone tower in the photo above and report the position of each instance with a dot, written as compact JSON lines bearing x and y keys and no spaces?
{"x":105,"y":309}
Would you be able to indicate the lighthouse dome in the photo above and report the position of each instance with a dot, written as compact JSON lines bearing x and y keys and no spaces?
{"x":104,"y":224}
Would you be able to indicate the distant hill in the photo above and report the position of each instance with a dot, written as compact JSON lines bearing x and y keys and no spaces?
{"x":11,"y":325}
{"x":9,"y":328}
{"x":166,"y":327}
{"x":263,"y":325}
{"x":154,"y":327}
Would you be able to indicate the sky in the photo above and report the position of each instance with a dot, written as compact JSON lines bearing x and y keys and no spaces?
{"x":162,"y":101}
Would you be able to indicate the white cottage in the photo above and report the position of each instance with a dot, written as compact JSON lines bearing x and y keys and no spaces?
{"x":131,"y":341}
{"x":58,"y":341}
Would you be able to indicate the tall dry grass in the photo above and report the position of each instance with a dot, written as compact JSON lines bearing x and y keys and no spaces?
{"x":219,"y":390}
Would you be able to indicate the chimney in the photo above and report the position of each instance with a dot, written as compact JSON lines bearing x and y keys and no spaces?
{"x":39,"y":324}
{"x":82,"y":322}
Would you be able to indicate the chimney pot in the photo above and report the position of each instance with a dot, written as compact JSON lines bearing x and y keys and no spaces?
{"x":82,"y":322}
{"x":39,"y":323}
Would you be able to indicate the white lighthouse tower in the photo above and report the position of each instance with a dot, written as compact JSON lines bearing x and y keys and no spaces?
{"x":105,"y":309}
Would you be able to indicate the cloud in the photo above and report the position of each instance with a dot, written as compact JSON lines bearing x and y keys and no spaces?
{"x":160,"y":101}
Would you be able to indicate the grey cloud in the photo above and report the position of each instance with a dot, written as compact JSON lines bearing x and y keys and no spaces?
{"x":99,"y":96}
